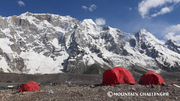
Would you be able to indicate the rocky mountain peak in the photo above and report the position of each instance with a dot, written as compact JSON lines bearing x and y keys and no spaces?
{"x":90,"y":26}
{"x":173,"y":45}
{"x":144,"y":36}
{"x":143,"y":33}
{"x":172,"y":42}
{"x":88,"y":22}
{"x":106,"y":28}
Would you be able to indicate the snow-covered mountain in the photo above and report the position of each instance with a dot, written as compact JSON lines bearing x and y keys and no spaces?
{"x":49,"y":43}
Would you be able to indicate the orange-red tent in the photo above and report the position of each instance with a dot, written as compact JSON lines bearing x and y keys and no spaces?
{"x":117,"y":75}
{"x":151,"y":78}
{"x":30,"y":86}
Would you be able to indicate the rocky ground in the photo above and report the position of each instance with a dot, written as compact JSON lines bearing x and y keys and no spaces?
{"x":83,"y":87}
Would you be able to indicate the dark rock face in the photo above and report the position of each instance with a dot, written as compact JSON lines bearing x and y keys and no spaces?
{"x":105,"y":28}
{"x":20,"y":22}
{"x":16,"y":48}
{"x":15,"y":64}
{"x":132,"y":42}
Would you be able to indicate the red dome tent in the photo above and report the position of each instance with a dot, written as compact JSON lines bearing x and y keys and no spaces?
{"x":117,"y":75}
{"x":151,"y":78}
{"x":30,"y":86}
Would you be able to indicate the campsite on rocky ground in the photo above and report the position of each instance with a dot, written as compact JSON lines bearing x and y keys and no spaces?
{"x":89,"y":50}
{"x":86,"y":87}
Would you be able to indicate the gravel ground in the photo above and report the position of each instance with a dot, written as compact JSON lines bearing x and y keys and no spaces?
{"x":78,"y":87}
{"x":71,"y":92}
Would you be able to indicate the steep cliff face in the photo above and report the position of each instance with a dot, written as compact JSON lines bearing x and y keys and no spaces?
{"x":48,"y":43}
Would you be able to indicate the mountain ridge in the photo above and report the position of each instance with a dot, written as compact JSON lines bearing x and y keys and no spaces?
{"x":49,"y":43}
